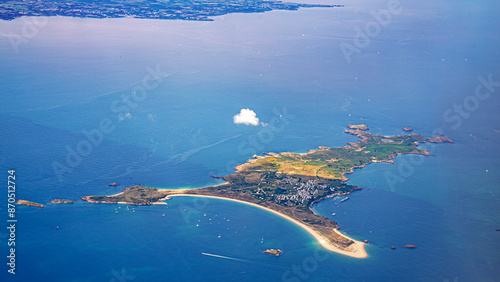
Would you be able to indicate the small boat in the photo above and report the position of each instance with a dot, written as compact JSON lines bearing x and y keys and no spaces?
{"x":333,"y":213}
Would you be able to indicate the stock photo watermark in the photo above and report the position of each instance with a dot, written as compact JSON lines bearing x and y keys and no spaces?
{"x":252,"y":145}
{"x":255,"y":144}
{"x":303,"y":270}
{"x":12,"y":221}
{"x":407,"y":167}
{"x":454,"y":118}
{"x":92,"y":138}
{"x":30,"y":29}
{"x":462,"y":111}
{"x":372,"y":29}
{"x":189,"y":211}
{"x":121,"y":276}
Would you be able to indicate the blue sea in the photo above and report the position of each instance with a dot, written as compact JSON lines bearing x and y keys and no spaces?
{"x":88,"y":102}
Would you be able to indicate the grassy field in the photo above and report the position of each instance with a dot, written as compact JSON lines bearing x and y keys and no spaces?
{"x":333,"y":163}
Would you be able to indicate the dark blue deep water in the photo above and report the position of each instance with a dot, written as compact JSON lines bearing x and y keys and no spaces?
{"x":73,"y":75}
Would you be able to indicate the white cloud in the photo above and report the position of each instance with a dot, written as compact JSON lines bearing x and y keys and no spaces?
{"x":247,"y":117}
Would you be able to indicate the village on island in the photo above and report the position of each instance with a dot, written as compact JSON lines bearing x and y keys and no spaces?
{"x":289,"y":184}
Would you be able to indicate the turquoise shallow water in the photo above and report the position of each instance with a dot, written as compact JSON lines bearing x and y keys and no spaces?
{"x":68,"y":77}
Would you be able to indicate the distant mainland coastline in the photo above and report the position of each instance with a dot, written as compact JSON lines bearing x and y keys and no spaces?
{"x":196,"y":10}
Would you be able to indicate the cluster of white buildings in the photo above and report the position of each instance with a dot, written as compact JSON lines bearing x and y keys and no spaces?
{"x":305,"y":192}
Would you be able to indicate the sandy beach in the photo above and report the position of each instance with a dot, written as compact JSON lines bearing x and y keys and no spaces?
{"x":356,"y":250}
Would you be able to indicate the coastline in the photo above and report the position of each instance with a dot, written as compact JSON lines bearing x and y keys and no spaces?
{"x":355,"y":250}
{"x":324,"y":230}
{"x":186,"y":189}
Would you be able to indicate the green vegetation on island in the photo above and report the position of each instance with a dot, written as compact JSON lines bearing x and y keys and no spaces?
{"x":290,"y":183}
{"x":135,"y":195}
{"x":330,"y":164}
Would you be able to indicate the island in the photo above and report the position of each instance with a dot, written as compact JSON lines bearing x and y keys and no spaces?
{"x":358,"y":126}
{"x":273,"y":252}
{"x":135,"y":195}
{"x":289,"y":184}
{"x":61,"y":201}
{"x":196,"y":10}
{"x":29,"y":204}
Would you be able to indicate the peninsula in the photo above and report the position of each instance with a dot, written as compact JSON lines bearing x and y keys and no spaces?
{"x":289,"y":184}
{"x":196,"y":10}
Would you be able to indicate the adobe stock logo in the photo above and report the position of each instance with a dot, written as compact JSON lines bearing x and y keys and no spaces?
{"x":120,"y":108}
{"x":372,"y":29}
{"x":462,"y":111}
{"x":29,"y":30}
{"x":454,"y":117}
{"x":302,"y":271}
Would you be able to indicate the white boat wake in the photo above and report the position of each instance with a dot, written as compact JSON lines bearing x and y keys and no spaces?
{"x":218,"y":256}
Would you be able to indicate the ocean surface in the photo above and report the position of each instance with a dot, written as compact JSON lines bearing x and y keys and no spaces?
{"x":162,"y":95}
